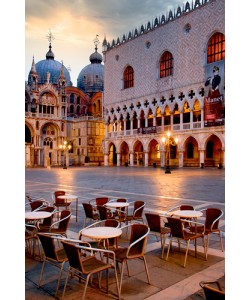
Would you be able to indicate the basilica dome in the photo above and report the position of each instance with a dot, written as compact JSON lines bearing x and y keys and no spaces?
{"x":53,"y":67}
{"x":90,"y":79}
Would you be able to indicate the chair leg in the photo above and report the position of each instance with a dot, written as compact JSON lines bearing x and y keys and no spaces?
{"x":122,"y":268}
{"x":117,"y":282}
{"x":187,"y":247}
{"x":163,"y":241}
{"x":221,"y":243}
{"x":146,"y":268}
{"x":41,"y":274}
{"x":86,"y":285}
{"x":169,"y":246}
{"x":59,"y":279}
{"x":66,"y":282}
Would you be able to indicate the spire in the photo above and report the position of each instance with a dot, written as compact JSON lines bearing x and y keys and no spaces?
{"x":50,"y":54}
{"x":33,"y":66}
{"x":62,"y":76}
{"x":96,"y":42}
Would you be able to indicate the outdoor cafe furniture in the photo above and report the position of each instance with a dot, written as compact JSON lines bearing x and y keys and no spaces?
{"x":53,"y":255}
{"x":188,"y":215}
{"x":212,"y":290}
{"x":84,"y":267}
{"x":155,"y":223}
{"x":136,"y":248}
{"x":178,"y":232}
{"x":136,"y":215}
{"x":212,"y":219}
{"x":101,"y":233}
{"x":112,"y":242}
{"x":57,"y":202}
{"x":31,"y":240}
{"x":68,"y":198}
{"x":90,"y":213}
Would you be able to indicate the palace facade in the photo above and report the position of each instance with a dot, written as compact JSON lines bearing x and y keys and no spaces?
{"x":167,"y":76}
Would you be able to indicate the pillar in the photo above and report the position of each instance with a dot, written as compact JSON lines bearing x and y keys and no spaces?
{"x":145,"y":159}
{"x":202,"y":118}
{"x":202,"y":158}
{"x":118,"y":163}
{"x":181,"y":120}
{"x":163,"y":158}
{"x":131,"y":159}
{"x":180,"y":159}
{"x":106,"y":159}
{"x":191,"y":118}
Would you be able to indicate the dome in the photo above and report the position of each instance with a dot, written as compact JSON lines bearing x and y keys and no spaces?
{"x":53,"y":67}
{"x":90,"y":79}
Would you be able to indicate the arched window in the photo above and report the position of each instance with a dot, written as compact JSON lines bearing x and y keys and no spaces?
{"x":216,"y":48}
{"x":166,"y":64}
{"x":71,"y":98}
{"x":128,"y":77}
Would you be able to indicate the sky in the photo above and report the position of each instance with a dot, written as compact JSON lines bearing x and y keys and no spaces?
{"x":75,"y":24}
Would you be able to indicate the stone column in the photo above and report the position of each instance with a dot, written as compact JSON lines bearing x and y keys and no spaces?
{"x":163,"y":158}
{"x":181,"y":120}
{"x":145,"y":159}
{"x":124,"y":127}
{"x":180,"y":159}
{"x":202,"y":118}
{"x":131,"y":127}
{"x":118,"y":159}
{"x":106,"y":159}
{"x":191,"y":118}
{"x":202,"y":158}
{"x":106,"y":130}
{"x":131,"y":159}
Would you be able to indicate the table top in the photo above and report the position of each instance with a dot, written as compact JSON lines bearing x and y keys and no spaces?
{"x":186,"y":213}
{"x":67,"y":196}
{"x":117,"y":204}
{"x":37,"y":215}
{"x":102,"y":232}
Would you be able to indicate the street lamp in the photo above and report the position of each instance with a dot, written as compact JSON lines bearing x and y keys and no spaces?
{"x":65,"y":147}
{"x":167,"y":142}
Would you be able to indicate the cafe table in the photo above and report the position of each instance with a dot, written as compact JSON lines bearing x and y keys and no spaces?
{"x":194,"y":214}
{"x":69,"y":198}
{"x":102,"y":233}
{"x":36,"y":215}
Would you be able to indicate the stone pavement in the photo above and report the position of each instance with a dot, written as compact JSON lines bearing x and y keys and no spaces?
{"x":169,"y":280}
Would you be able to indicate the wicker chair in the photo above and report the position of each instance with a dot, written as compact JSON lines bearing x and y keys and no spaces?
{"x":52,"y":255}
{"x":212,"y":290}
{"x":137,"y":212}
{"x":178,"y":231}
{"x":47,"y":222}
{"x":57,"y":203}
{"x":81,"y":266}
{"x":60,"y":227}
{"x":155,"y":224}
{"x":104,"y":212}
{"x":136,"y":248}
{"x":212,"y":219}
{"x":90,"y":213}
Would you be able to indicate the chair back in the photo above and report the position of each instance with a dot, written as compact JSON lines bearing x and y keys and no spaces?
{"x":138,"y":231}
{"x":186,"y":207}
{"x":59,"y":193}
{"x":48,"y":245}
{"x":103,"y":212}
{"x":63,"y":225}
{"x":36,"y":204}
{"x":74,"y":255}
{"x":138,"y":208}
{"x":101,"y":200}
{"x":211,"y":215}
{"x":176,"y":227}
{"x":112,"y":223}
{"x":88,"y":209}
{"x":48,"y":221}
{"x":154,"y":222}
{"x":212,"y":293}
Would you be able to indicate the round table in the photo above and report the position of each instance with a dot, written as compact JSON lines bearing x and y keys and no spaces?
{"x":36,"y":215}
{"x":186,"y":213}
{"x":69,"y":198}
{"x":116,"y":204}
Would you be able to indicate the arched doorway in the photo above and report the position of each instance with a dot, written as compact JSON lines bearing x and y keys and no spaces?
{"x":213,"y":152}
{"x":138,"y":153}
{"x":153,"y":153}
{"x":191,"y":153}
{"x":112,"y":160}
{"x":124,"y":154}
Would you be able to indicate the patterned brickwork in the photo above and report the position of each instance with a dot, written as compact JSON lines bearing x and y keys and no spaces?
{"x":189,"y":52}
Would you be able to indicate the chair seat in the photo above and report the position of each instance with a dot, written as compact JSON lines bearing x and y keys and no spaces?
{"x":165,"y":230}
{"x":91,"y":263}
{"x":61,"y":255}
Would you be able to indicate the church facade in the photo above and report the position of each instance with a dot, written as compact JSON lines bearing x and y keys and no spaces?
{"x":164,"y":96}
{"x":57,"y":114}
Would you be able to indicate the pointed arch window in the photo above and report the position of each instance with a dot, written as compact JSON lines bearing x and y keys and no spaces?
{"x":216,"y":48}
{"x":128,"y":77}
{"x":166,"y":64}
